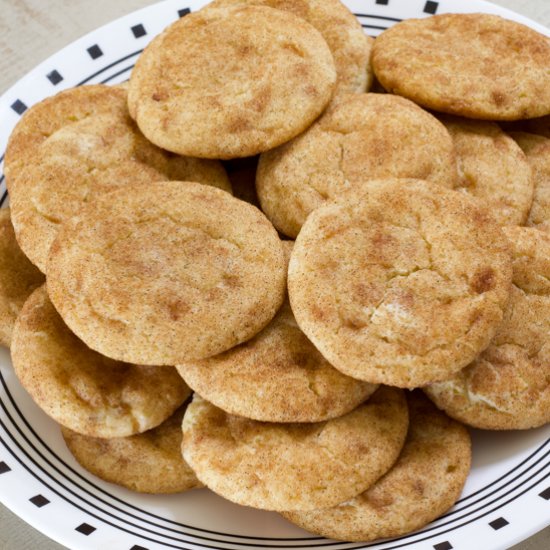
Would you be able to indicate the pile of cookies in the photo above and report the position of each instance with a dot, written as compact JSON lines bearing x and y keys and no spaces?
{"x":381,"y":242}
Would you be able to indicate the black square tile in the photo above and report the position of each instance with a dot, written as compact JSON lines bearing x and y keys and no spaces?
{"x":431,"y":7}
{"x":54,"y":77}
{"x":85,"y":529}
{"x":443,"y":546}
{"x":4,"y":468}
{"x":545,"y":494}
{"x":19,"y":107}
{"x":139,"y":30}
{"x":39,"y":501}
{"x":184,"y":12}
{"x":498,"y":523}
{"x":136,"y":547}
{"x":95,"y":51}
{"x":383,"y":2}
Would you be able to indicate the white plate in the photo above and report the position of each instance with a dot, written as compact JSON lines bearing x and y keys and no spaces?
{"x":506,"y":498}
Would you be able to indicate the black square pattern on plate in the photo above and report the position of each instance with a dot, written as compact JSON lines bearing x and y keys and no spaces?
{"x":95,"y":51}
{"x":139,"y":30}
{"x":18,"y":106}
{"x":443,"y":546}
{"x":183,"y":12}
{"x":383,"y":2}
{"x":4,"y":468}
{"x":54,"y":77}
{"x":431,"y":7}
{"x":545,"y":494}
{"x":85,"y":529}
{"x":498,"y":523}
{"x":39,"y":501}
{"x":137,"y":547}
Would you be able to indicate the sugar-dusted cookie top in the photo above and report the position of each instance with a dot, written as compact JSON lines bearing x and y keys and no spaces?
{"x":401,"y":282}
{"x":167,"y":272}
{"x":231,"y":82}
{"x":360,"y":136}
{"x":82,"y":389}
{"x":507,"y":386}
{"x":75,"y":146}
{"x":425,"y":482}
{"x":474,"y":65}
{"x":295,"y":466}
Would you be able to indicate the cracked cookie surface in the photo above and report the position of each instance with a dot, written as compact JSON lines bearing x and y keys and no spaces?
{"x":149,"y":462}
{"x":295,"y":466}
{"x":474,"y":65}
{"x":18,"y":278}
{"x":493,"y":168}
{"x":77,"y":145}
{"x":425,"y":482}
{"x":400,"y":282}
{"x":231,"y":82}
{"x":81,"y":389}
{"x":508,"y":386}
{"x":165,"y":273}
{"x":349,"y":45}
{"x":359,"y":137}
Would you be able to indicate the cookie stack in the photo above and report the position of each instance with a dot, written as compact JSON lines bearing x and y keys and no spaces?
{"x":372,"y":247}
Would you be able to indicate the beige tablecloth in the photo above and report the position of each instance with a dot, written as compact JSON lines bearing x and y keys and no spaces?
{"x":30,"y":31}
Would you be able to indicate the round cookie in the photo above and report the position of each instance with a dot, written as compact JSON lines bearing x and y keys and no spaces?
{"x":537,"y":151}
{"x":294,"y":466}
{"x":349,"y":45}
{"x":402,"y":282}
{"x":359,"y":137}
{"x":506,"y":387}
{"x":493,"y":168}
{"x":81,"y":389}
{"x":474,"y":65}
{"x":278,"y":376}
{"x":79,"y":144}
{"x":149,"y":462}
{"x":231,"y":82}
{"x":165,"y":273}
{"x":18,"y":278}
{"x":424,"y":483}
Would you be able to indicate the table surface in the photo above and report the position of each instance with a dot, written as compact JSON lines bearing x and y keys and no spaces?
{"x":30,"y":31}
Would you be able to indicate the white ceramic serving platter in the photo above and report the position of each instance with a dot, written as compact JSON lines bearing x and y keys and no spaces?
{"x":506,"y":498}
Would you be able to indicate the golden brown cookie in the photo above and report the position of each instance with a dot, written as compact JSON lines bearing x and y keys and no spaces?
{"x":81,"y":389}
{"x":349,"y":45}
{"x":493,"y":168}
{"x":167,"y":272}
{"x":359,"y":137}
{"x":149,"y":462}
{"x":537,"y":151}
{"x":474,"y":65}
{"x":294,"y":466}
{"x":231,"y":82}
{"x":79,"y":144}
{"x":18,"y":278}
{"x":402,"y":282}
{"x":425,"y":482}
{"x":278,"y":376}
{"x":507,"y":386}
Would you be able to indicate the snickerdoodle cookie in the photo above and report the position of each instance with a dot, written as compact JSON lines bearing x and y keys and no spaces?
{"x":295,"y":466}
{"x":493,"y":168}
{"x":74,"y":146}
{"x":278,"y":376}
{"x":81,"y":389}
{"x":474,"y":65}
{"x":425,"y":482}
{"x":231,"y":82}
{"x":18,"y":278}
{"x":537,"y":151}
{"x":349,"y":45}
{"x":508,"y":386}
{"x":402,"y":282}
{"x":167,"y":272}
{"x":149,"y":462}
{"x":359,"y":137}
